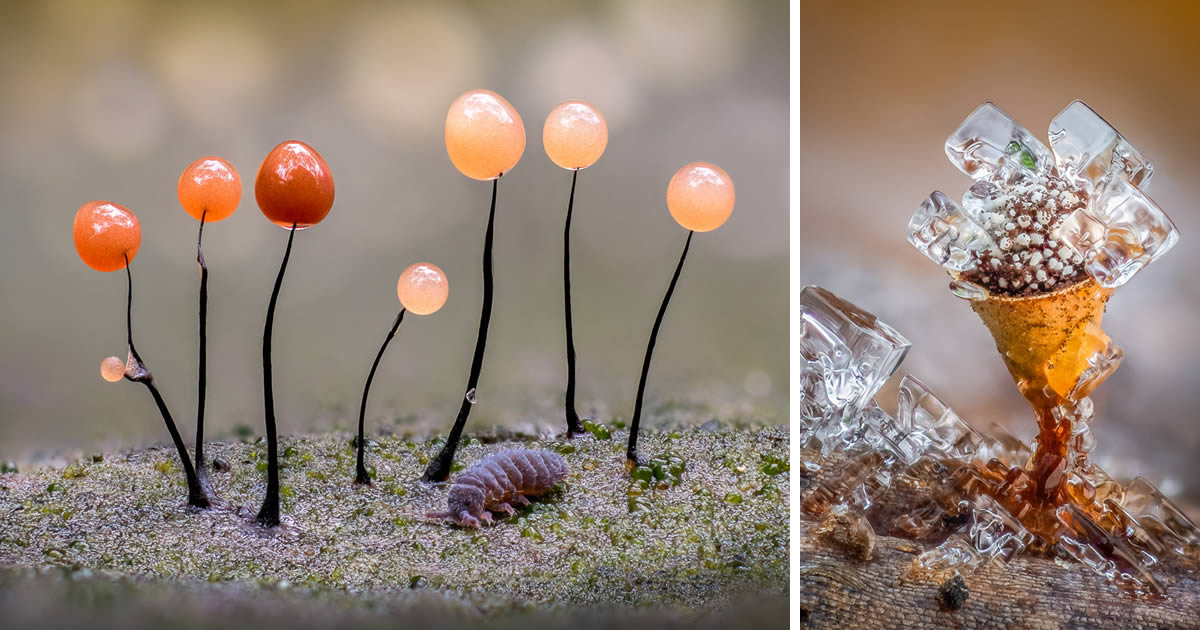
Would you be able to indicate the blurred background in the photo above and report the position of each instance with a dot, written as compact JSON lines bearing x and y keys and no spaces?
{"x":882,"y":86}
{"x":111,"y":100}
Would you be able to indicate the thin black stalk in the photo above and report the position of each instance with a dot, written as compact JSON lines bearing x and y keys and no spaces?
{"x":361,"y":477}
{"x":439,"y":468}
{"x":574,"y":427}
{"x":268,"y":515}
{"x":203,"y":368}
{"x":137,"y":372}
{"x":631,"y":452}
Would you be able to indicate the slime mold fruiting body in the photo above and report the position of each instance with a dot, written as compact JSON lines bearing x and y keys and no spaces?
{"x":422,"y":289}
{"x":484,"y":138}
{"x":112,"y":369}
{"x":107,"y":237}
{"x":1040,"y":242}
{"x":209,"y":189}
{"x":575,"y":136}
{"x":294,"y":189}
{"x":700,"y":197}
{"x":496,"y":482}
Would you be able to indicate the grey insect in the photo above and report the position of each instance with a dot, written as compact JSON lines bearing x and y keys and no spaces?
{"x":498,"y":481}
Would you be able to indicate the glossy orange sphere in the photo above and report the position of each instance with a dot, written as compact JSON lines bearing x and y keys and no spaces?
{"x":294,"y":186}
{"x":112,"y":369}
{"x":423,"y":288}
{"x":700,"y":196}
{"x":485,"y":137}
{"x":106,"y":234}
{"x":210,"y":188}
{"x":575,"y":135}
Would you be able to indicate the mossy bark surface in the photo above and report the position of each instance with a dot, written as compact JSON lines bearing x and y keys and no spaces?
{"x":678,"y":546}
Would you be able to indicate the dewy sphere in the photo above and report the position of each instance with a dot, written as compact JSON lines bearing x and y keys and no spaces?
{"x":700,"y":196}
{"x":105,"y":234}
{"x":112,"y":369}
{"x":423,"y":288}
{"x":485,"y":137}
{"x":575,"y":135}
{"x":211,"y":188}
{"x":294,"y":185}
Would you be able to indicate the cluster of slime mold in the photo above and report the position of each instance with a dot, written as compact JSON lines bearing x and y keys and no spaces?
{"x":294,"y":189}
{"x":1039,"y":243}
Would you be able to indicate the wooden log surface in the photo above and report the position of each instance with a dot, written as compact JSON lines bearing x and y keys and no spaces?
{"x":837,"y":589}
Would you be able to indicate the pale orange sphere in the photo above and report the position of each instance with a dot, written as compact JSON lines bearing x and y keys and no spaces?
{"x":294,"y":186}
{"x":210,"y":188}
{"x":112,"y":369}
{"x":485,"y":137}
{"x":423,"y":288}
{"x":106,"y":234}
{"x":575,"y":135}
{"x":700,"y":196}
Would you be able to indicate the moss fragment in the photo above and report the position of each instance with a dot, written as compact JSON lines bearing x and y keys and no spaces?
{"x":599,"y":431}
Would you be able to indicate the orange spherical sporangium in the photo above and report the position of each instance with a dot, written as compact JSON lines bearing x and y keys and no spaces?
{"x":211,"y":188}
{"x":423,"y":288}
{"x":112,"y":369}
{"x":485,"y":137}
{"x":294,"y":186}
{"x":700,"y":196}
{"x":575,"y":135}
{"x":106,"y":234}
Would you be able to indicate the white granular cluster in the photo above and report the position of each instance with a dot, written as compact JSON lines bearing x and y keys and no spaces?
{"x":1021,"y":218}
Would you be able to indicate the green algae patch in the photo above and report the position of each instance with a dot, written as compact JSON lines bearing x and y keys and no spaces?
{"x":665,"y":536}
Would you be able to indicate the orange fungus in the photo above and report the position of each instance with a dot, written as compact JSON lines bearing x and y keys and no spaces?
{"x":423,"y":288}
{"x":112,"y":369}
{"x":211,"y":188}
{"x":484,"y":135}
{"x":106,"y":234}
{"x":294,"y":186}
{"x":700,"y":196}
{"x":575,"y":135}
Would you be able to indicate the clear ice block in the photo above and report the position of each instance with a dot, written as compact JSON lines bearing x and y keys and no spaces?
{"x":1113,"y":557}
{"x":1003,"y":446}
{"x":1080,"y":231}
{"x":1162,"y":517}
{"x":993,"y":536}
{"x":847,"y":355}
{"x":955,"y":554}
{"x":884,"y":434}
{"x":995,"y":533}
{"x":1135,"y":232}
{"x":943,"y":232}
{"x":1079,"y":414}
{"x":1101,"y":364}
{"x":858,"y":481}
{"x":989,"y":144}
{"x":1086,"y":148}
{"x":927,"y":418}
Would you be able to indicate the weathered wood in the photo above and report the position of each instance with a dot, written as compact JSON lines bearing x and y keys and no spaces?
{"x":838,"y":590}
